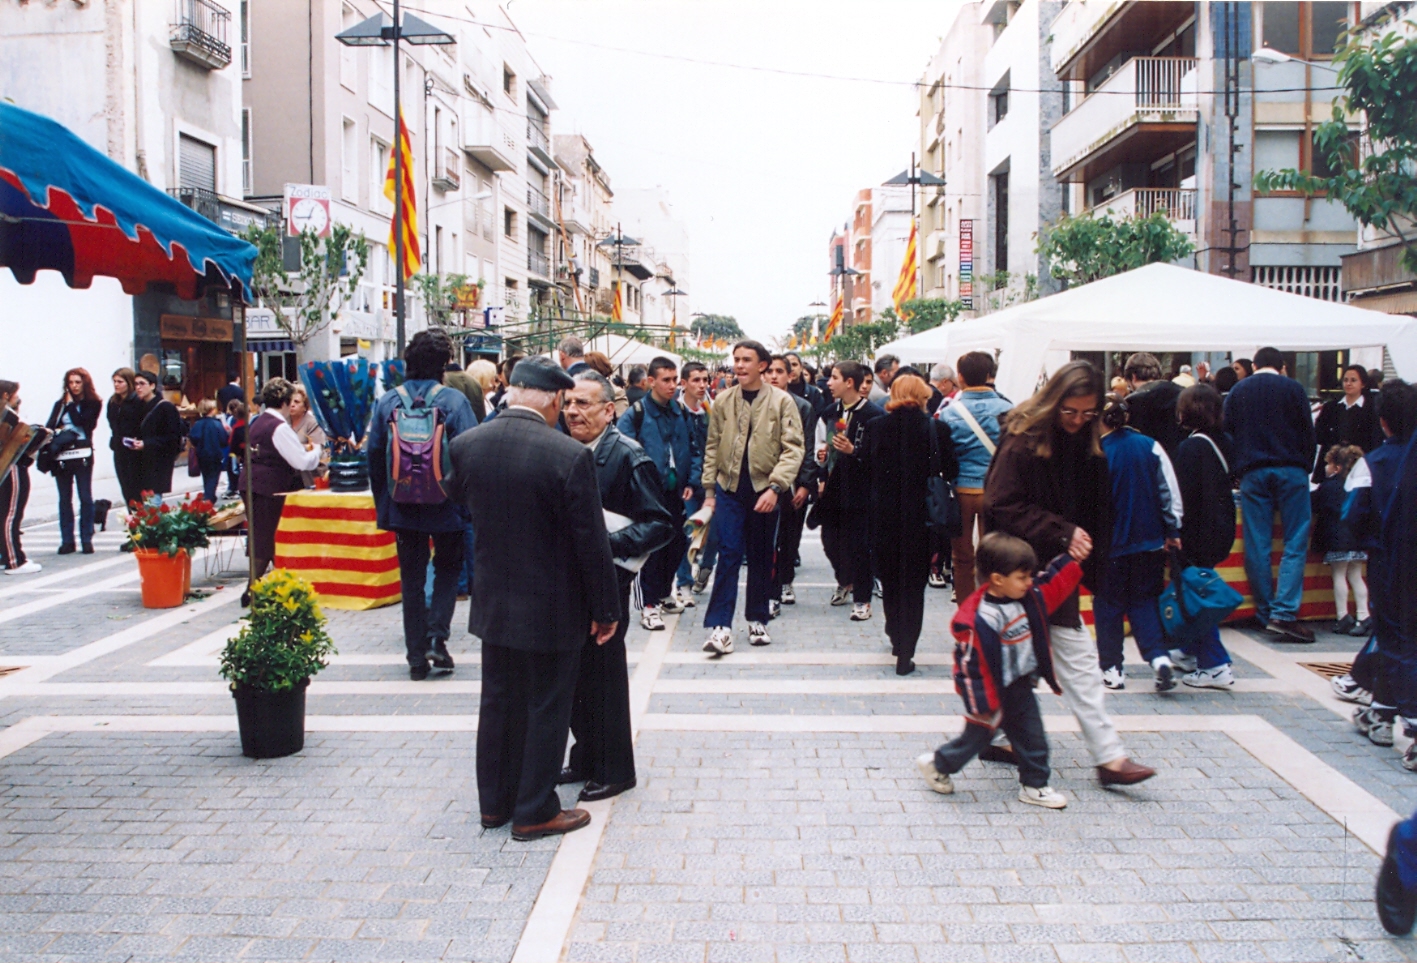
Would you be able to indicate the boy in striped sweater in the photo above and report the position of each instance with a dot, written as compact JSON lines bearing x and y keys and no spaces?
{"x":1001,"y":648}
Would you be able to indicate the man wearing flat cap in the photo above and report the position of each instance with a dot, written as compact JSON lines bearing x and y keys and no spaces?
{"x":543,"y":582}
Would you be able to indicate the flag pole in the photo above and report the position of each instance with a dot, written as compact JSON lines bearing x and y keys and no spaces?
{"x":398,"y":191}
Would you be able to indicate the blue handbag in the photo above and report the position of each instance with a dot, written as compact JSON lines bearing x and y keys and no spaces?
{"x":1195,"y":602}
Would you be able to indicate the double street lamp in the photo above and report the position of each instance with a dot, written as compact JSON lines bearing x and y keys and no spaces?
{"x":380,"y":31}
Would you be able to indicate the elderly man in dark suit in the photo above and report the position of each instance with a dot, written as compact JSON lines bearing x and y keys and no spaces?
{"x":544,"y":581}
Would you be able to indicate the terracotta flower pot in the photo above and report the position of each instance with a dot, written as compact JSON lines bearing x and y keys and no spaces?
{"x":164,"y":578}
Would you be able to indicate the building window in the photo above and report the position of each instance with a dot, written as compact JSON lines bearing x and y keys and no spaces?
{"x":245,"y":15}
{"x":1304,"y":30}
{"x":348,"y":65}
{"x":509,"y":222}
{"x":509,"y":82}
{"x":349,"y":161}
{"x":1000,"y":187}
{"x":379,"y":158}
{"x":1324,"y":283}
{"x":246,"y":150}
{"x":196,"y":164}
{"x":998,"y":106}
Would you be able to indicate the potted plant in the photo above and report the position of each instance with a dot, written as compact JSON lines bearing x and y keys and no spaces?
{"x":163,"y":538}
{"x":270,"y":662}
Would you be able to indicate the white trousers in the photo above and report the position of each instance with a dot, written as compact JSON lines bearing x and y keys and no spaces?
{"x":1080,"y":678}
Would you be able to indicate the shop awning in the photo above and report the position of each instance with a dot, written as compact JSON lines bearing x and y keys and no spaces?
{"x":66,"y":207}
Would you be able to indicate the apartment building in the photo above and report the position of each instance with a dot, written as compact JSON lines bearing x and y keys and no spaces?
{"x":890,"y":233}
{"x":585,"y":202}
{"x":648,"y":213}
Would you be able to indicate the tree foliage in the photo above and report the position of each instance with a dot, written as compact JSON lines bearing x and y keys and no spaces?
{"x":922,"y":314}
{"x":441,"y":294}
{"x":723,"y":326}
{"x":1086,"y":248}
{"x":307,"y":301}
{"x":1375,"y":184}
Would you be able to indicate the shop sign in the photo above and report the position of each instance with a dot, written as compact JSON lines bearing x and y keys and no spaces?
{"x":307,"y":208}
{"x":179,"y":327}
{"x":966,"y":264}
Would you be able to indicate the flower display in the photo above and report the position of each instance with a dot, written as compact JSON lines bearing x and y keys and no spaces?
{"x":154,"y":524}
{"x":284,"y":641}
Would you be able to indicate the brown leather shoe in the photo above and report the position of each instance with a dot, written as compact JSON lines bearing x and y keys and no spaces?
{"x":1128,"y":774}
{"x":1292,"y":631}
{"x":566,"y":821}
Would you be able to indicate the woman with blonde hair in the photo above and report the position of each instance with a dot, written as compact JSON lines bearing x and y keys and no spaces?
{"x":903,"y":451}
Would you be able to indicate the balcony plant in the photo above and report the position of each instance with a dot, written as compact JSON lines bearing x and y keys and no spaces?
{"x":270,"y":661}
{"x":163,"y":538}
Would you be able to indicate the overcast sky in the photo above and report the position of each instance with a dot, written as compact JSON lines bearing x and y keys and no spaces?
{"x":760,"y":166}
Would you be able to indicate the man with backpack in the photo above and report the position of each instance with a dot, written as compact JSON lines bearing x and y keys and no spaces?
{"x":664,"y":428}
{"x":409,"y":462}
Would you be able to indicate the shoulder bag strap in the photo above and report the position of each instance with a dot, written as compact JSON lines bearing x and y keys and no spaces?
{"x":1223,"y":463}
{"x":935,"y":468}
{"x":974,"y":426}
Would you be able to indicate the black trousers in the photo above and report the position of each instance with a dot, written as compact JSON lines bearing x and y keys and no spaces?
{"x":422,"y":626}
{"x":789,"y":540}
{"x":847,"y":543}
{"x":129,"y":472}
{"x":522,"y":725}
{"x":903,"y":599}
{"x":1024,"y":725}
{"x":604,"y":750}
{"x":657,"y":575}
{"x":14,"y":495}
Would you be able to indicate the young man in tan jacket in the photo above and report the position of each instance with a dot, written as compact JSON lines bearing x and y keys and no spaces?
{"x":754,"y":451}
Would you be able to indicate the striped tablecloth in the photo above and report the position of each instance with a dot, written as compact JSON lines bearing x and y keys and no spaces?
{"x":331,"y":540}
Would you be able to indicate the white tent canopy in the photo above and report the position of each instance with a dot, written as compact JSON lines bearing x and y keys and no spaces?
{"x":627,"y":351}
{"x":1159,"y":307}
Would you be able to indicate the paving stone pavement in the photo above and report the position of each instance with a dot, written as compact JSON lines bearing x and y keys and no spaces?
{"x":753,"y":845}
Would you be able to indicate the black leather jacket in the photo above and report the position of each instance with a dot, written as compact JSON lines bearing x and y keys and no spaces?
{"x":630,"y":486}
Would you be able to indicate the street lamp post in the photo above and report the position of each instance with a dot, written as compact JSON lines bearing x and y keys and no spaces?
{"x":381,"y":31}
{"x":913,"y":176}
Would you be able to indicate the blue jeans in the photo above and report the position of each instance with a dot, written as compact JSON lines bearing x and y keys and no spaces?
{"x":1210,"y":652}
{"x":67,"y":479}
{"x":1131,"y":586}
{"x":742,"y":533}
{"x":1263,"y":493}
{"x":211,"y":474}
{"x":708,"y":556}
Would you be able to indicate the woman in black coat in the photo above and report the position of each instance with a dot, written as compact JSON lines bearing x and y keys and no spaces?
{"x":125,"y":414}
{"x":898,"y":457}
{"x":1208,"y":517}
{"x":1350,"y":420}
{"x":74,"y":419}
{"x":160,"y":436}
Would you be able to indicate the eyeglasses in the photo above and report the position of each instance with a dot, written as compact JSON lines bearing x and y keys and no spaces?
{"x":578,"y":403}
{"x":1087,"y":415}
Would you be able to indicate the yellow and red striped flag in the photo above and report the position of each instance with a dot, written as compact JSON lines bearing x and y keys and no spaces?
{"x":617,"y":310}
{"x":905,"y":285}
{"x":412,"y":256}
{"x":835,"y":321}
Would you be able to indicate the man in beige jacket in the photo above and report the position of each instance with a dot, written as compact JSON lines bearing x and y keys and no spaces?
{"x":754,"y":451}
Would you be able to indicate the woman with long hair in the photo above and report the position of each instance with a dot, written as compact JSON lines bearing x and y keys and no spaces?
{"x":1048,"y":485}
{"x":903,"y":451}
{"x":125,"y":414}
{"x":73,"y":420}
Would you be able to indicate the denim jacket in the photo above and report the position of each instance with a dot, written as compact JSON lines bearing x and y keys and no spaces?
{"x":663,"y":430}
{"x":988,"y":408}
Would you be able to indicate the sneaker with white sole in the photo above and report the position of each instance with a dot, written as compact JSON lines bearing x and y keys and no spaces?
{"x":29,"y":568}
{"x":1182,"y":661}
{"x":880,"y":593}
{"x":1114,"y":679}
{"x":720,"y":641}
{"x":758,"y":634}
{"x":701,"y":580}
{"x":841,"y":595}
{"x":938,"y":580}
{"x":789,"y":597}
{"x":1045,"y":796}
{"x":1165,"y":673}
{"x":671,"y":606}
{"x":774,"y":609}
{"x":1217,"y":677}
{"x":1349,"y":691}
{"x":936,"y":780}
{"x":1409,"y":758}
{"x":650,"y":618}
{"x":1369,"y":723}
{"x":685,"y":597}
{"x":861,"y":611}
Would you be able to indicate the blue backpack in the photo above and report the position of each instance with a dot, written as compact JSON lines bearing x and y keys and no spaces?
{"x":1195,"y":602}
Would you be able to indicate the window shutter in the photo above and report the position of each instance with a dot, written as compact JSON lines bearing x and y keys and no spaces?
{"x":196,"y":164}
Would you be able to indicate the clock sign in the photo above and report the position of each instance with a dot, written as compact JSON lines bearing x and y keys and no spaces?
{"x":307,"y":209}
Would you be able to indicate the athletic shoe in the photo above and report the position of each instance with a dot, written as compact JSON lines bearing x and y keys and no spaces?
{"x":684,"y":595}
{"x":1349,"y":691}
{"x":1370,"y":724}
{"x":1182,"y":661}
{"x":701,"y":580}
{"x":1165,"y":673}
{"x":1219,"y":677}
{"x":789,"y":597}
{"x":1046,"y":796}
{"x":651,"y":620}
{"x":938,"y":580}
{"x":1114,"y":679}
{"x":758,"y":634}
{"x":720,"y":641}
{"x":1409,"y":758}
{"x":774,"y":609}
{"x":876,"y":587}
{"x":670,"y":606}
{"x":935,"y":779}
{"x":29,"y":568}
{"x":841,"y":595}
{"x":861,"y":611}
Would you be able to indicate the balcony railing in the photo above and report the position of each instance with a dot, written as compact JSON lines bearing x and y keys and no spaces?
{"x":538,"y":203}
{"x":199,"y":199}
{"x":198,"y":33}
{"x":536,"y":138}
{"x":447,"y":175}
{"x":1077,"y":23}
{"x":538,"y":263}
{"x":1143,"y":90}
{"x":1178,"y":204}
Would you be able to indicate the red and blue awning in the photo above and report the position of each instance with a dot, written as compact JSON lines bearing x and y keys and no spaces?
{"x":66,"y":207}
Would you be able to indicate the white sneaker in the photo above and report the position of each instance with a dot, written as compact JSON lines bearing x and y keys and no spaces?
{"x":1182,"y":661}
{"x":684,"y":595}
{"x":841,"y":595}
{"x":1047,"y":796}
{"x":880,"y":592}
{"x":774,"y":609}
{"x":1114,"y":679}
{"x":1349,"y":691}
{"x":1409,"y":758}
{"x":1219,"y":677}
{"x":1165,"y":673}
{"x":650,"y":619}
{"x":758,"y":634}
{"x":861,"y":611}
{"x":29,"y":568}
{"x":789,"y":597}
{"x":720,"y":641}
{"x":938,"y":580}
{"x":671,"y":606}
{"x":935,"y":779}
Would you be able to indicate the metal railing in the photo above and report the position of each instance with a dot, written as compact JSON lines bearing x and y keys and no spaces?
{"x":1178,"y":204}
{"x":1142,"y":89}
{"x":536,"y":138}
{"x":537,"y":202}
{"x":538,"y":263}
{"x":199,"y":199}
{"x":199,"y":31}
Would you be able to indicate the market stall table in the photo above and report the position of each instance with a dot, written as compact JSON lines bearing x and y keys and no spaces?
{"x":331,"y":539}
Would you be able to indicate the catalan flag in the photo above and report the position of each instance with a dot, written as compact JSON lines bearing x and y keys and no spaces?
{"x":835,"y":321}
{"x":617,"y":310}
{"x":412,"y":257}
{"x":905,"y":285}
